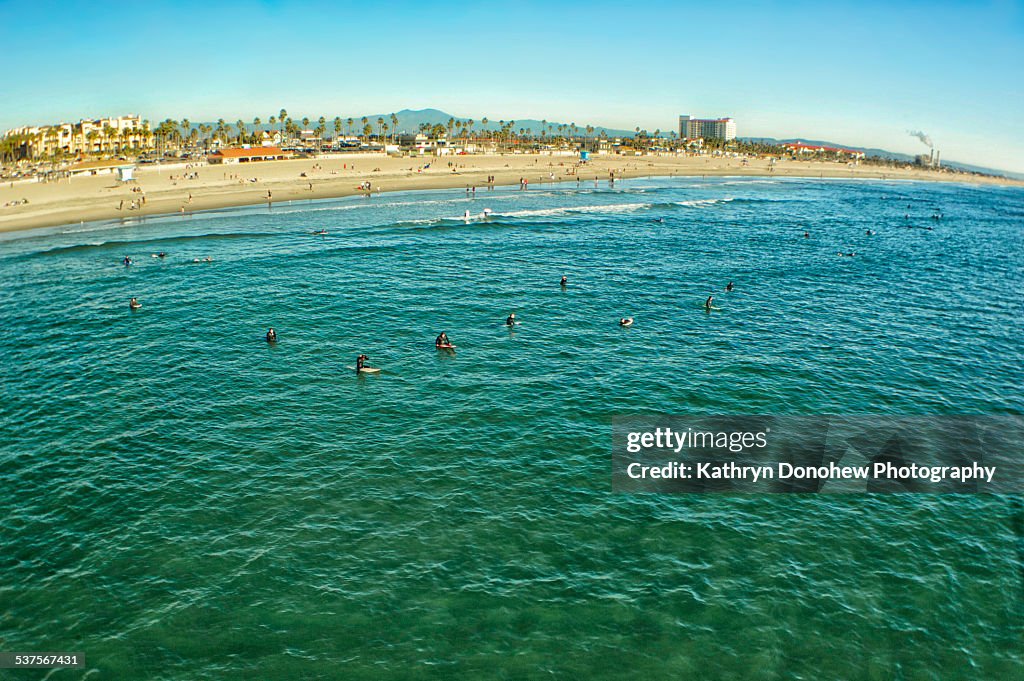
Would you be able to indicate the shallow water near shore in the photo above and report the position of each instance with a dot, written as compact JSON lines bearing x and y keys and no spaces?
{"x":182,"y":500}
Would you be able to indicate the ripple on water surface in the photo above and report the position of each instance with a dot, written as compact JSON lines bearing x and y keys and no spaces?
{"x":182,"y":500}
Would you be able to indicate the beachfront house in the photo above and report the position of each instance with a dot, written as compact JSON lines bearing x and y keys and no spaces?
{"x":248,"y":155}
{"x":799,"y":148}
{"x":415,"y":143}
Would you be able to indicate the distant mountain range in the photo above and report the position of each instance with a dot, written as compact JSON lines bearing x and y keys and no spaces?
{"x":409,"y":120}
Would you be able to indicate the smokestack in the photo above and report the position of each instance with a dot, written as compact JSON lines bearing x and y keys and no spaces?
{"x":931,"y":158}
{"x":937,"y":164}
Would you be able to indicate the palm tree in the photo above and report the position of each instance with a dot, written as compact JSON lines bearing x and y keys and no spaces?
{"x":349,"y":122}
{"x":337,"y":128}
{"x":380,"y":123}
{"x":394,"y":124}
{"x":283,"y":114}
{"x":366,"y":132}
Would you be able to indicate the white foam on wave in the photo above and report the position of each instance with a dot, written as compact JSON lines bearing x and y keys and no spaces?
{"x":697,"y":203}
{"x":566,"y":210}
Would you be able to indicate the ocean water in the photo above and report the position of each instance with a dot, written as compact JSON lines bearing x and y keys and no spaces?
{"x":181,"y":500}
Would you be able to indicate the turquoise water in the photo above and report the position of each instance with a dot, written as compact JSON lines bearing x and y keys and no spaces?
{"x":181,"y":500}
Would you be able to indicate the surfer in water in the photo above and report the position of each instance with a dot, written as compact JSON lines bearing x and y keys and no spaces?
{"x":361,"y":362}
{"x":707,"y":303}
{"x":511,"y":321}
{"x":728,"y":287}
{"x":564,"y":282}
{"x":271,"y":336}
{"x":442,"y":341}
{"x":626,"y":321}
{"x":127,"y":261}
{"x":134,"y":304}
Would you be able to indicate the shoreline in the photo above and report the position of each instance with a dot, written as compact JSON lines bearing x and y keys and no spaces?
{"x":167,"y":191}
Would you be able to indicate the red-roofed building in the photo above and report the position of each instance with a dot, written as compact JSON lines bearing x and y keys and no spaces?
{"x":248,"y":155}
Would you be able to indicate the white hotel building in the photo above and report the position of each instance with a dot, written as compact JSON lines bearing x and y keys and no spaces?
{"x":706,"y":128}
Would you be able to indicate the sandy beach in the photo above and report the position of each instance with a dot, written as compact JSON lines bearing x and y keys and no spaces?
{"x":166,"y":189}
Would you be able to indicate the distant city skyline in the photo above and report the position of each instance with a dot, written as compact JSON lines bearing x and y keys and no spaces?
{"x":863,"y":74}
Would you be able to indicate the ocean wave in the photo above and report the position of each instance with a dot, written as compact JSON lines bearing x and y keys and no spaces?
{"x":567,"y":210}
{"x":134,"y":243}
{"x":697,"y":203}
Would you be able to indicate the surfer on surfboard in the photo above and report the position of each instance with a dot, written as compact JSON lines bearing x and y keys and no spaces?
{"x":271,"y":336}
{"x":564,"y":282}
{"x":442,"y":342}
{"x":361,"y":362}
{"x":707,"y":303}
{"x":626,"y":322}
{"x":134,"y":304}
{"x":511,"y":321}
{"x":728,"y":287}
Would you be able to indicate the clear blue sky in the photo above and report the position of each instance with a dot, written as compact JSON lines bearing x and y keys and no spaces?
{"x":858,"y":73}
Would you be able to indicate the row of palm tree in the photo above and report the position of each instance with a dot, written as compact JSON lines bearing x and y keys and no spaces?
{"x":181,"y":134}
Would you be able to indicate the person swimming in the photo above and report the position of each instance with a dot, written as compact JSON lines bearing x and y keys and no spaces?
{"x":271,"y":335}
{"x":728,"y":287}
{"x":807,"y":235}
{"x":564,"y":281}
{"x":707,"y":303}
{"x":361,"y":362}
{"x":442,"y":341}
{"x":511,"y":321}
{"x":127,"y":261}
{"x":134,"y":304}
{"x":626,"y":321}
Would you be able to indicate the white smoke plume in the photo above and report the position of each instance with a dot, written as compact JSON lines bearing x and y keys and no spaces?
{"x":925,"y":139}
